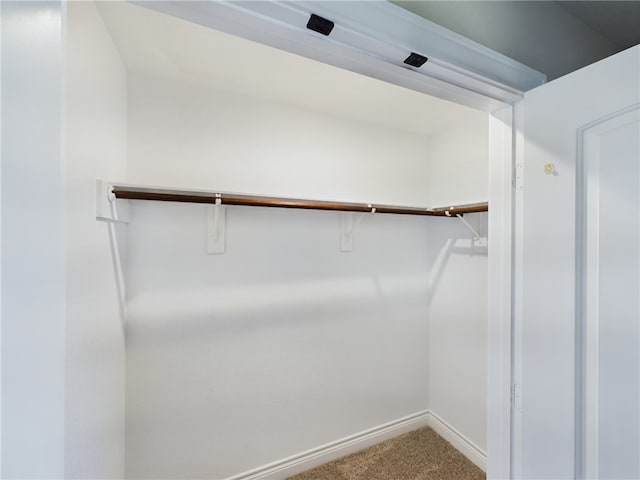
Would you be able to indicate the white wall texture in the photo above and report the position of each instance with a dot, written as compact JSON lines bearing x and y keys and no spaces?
{"x":280,"y":345}
{"x":95,"y":147}
{"x":188,"y":136}
{"x":33,"y":270}
{"x":283,"y":336}
{"x":458,"y":164}
{"x":458,"y":327}
{"x":458,"y":309}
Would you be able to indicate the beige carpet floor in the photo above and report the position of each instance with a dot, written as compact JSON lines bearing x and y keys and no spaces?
{"x":418,"y":455}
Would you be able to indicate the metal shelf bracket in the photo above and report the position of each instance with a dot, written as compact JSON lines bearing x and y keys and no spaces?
{"x":216,"y":226}
{"x":476,"y":235}
{"x":348,"y":224}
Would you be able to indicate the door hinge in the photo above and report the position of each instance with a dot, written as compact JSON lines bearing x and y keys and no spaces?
{"x":518,"y":180}
{"x":516,"y":396}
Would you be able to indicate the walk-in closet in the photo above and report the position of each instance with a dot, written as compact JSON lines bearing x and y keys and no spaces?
{"x":353,"y":311}
{"x":251,"y":240}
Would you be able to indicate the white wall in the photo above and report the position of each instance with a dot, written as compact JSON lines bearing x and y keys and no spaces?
{"x":280,"y":345}
{"x":458,"y":328}
{"x":458,"y":289}
{"x":187,"y":136}
{"x":95,"y":95}
{"x":33,"y":270}
{"x":283,"y":343}
{"x":458,"y":163}
{"x":541,"y":35}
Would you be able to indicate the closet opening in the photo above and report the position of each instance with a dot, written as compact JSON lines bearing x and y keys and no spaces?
{"x":263,"y":342}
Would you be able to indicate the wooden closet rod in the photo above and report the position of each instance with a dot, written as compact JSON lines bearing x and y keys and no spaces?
{"x":135,"y":193}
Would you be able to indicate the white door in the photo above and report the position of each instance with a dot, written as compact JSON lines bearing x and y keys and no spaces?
{"x":577,"y":302}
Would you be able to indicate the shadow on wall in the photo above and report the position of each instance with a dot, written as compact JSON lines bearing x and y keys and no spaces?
{"x":448,"y":238}
{"x":280,"y":267}
{"x":263,"y":306}
{"x":117,"y":242}
{"x":175,"y":309}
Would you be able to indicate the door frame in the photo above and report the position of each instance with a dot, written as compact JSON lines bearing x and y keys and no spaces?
{"x":503,"y":185}
{"x":459,"y":70}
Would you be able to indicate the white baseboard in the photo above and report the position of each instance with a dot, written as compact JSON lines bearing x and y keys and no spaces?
{"x":304,"y":461}
{"x":459,"y":441}
{"x":331,"y":451}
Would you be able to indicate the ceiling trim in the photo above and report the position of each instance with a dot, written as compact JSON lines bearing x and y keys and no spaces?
{"x":373,"y":39}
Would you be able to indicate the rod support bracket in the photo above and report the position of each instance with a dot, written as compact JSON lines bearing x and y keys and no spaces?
{"x":348,"y":224}
{"x":476,"y":235}
{"x":110,"y":209}
{"x":216,"y":227}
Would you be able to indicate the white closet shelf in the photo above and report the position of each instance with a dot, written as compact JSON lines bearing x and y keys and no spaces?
{"x":213,"y":197}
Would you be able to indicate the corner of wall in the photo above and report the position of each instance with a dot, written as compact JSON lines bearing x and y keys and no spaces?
{"x":95,"y":136}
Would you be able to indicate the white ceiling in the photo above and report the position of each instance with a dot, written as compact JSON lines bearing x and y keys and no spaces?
{"x":160,"y":45}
